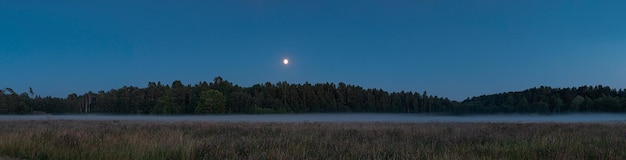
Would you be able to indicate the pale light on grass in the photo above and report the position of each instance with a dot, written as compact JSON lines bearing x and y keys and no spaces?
{"x":61,"y":139}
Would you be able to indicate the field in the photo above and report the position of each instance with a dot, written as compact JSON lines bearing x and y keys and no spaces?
{"x":65,"y":139}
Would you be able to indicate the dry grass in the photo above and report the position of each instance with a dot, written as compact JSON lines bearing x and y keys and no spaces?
{"x":60,"y":139}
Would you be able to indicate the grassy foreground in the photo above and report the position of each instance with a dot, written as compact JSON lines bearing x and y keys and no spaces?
{"x":60,"y":139}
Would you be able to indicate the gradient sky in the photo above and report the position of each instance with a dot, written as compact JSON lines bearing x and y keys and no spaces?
{"x":454,"y":49}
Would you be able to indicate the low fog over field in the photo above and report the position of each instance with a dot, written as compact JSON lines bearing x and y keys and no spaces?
{"x":420,"y":118}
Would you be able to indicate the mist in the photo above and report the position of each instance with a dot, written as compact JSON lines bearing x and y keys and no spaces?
{"x":340,"y":117}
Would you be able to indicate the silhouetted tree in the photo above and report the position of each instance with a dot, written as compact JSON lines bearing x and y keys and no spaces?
{"x":211,"y":101}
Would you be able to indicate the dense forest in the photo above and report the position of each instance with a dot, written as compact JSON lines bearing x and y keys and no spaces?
{"x":222,"y":97}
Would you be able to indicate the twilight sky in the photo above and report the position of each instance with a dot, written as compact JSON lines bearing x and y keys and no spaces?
{"x":454,"y":49}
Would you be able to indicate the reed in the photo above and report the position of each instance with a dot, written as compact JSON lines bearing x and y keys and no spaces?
{"x":62,"y":139}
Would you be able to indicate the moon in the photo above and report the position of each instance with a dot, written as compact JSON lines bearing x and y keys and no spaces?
{"x":285,"y":61}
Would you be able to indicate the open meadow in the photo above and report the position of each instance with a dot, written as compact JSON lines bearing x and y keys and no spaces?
{"x":92,"y":139}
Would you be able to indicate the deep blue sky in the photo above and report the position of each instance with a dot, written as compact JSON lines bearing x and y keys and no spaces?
{"x":454,"y":49}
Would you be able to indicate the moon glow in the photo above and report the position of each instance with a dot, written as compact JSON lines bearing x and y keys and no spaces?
{"x":285,"y":61}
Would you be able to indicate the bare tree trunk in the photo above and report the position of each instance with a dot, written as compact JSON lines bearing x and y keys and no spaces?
{"x":86,"y":103}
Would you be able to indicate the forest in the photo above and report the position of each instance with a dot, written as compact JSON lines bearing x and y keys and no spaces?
{"x":223,"y":97}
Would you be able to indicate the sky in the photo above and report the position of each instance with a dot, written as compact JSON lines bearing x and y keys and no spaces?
{"x":455,"y":49}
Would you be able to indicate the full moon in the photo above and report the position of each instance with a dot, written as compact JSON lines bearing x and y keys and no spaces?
{"x":285,"y":61}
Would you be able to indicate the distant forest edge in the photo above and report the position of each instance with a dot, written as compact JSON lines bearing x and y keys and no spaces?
{"x":222,"y":97}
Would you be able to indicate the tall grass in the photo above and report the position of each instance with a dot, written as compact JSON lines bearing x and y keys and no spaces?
{"x":61,"y":139}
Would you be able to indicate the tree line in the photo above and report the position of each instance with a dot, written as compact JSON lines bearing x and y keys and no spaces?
{"x":549,"y":100}
{"x":222,"y":97}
